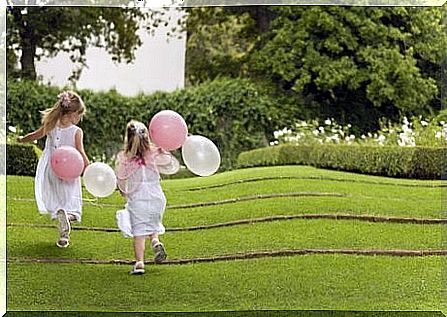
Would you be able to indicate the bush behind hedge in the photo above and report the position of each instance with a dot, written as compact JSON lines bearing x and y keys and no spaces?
{"x":405,"y":162}
{"x":236,"y":114}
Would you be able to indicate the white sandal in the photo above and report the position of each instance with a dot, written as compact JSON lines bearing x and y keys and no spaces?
{"x":63,"y":243}
{"x":138,"y":268}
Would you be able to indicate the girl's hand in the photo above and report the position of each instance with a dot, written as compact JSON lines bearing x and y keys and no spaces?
{"x":19,"y":139}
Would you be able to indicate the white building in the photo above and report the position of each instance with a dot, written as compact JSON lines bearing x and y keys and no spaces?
{"x":158,"y":66}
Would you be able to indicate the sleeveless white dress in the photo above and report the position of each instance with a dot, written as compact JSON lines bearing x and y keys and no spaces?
{"x":53,"y":193}
{"x":139,"y":180}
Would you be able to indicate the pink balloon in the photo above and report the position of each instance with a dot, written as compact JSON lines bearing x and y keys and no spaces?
{"x":67,"y":162}
{"x":168,"y":130}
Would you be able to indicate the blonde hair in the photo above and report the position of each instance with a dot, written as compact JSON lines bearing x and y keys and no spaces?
{"x":68,"y":102}
{"x":136,"y":140}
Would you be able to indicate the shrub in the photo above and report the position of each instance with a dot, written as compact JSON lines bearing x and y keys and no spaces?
{"x":236,"y":114}
{"x":21,"y":159}
{"x":391,"y":161}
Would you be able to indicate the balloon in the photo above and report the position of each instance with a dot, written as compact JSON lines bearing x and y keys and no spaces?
{"x":99,"y":179}
{"x":162,"y":158}
{"x":200,"y":155}
{"x":67,"y":163}
{"x":171,"y":168}
{"x":168,"y":130}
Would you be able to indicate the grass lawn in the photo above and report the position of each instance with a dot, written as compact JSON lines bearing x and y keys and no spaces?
{"x":347,"y":282}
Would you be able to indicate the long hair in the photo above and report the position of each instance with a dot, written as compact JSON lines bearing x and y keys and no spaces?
{"x":136,"y":140}
{"x":68,"y":102}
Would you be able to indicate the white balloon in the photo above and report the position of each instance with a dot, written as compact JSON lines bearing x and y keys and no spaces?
{"x":200,"y":155}
{"x":163,"y":158}
{"x":99,"y":179}
{"x":171,"y":168}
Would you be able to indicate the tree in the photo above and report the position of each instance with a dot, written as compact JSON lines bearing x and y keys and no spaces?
{"x":46,"y":31}
{"x":220,"y":40}
{"x":355,"y":64}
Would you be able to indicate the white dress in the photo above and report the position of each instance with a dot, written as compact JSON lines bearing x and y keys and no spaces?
{"x":51,"y":192}
{"x":146,"y":202}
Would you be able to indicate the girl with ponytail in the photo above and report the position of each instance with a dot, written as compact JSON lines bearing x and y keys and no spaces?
{"x":139,"y":181}
{"x":62,"y":200}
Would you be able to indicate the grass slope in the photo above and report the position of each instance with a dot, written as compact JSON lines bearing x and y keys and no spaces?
{"x":338,"y":282}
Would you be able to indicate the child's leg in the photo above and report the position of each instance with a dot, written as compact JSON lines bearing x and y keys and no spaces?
{"x":154,"y":239}
{"x":139,"y":246}
{"x":64,"y":229}
{"x":158,"y":248}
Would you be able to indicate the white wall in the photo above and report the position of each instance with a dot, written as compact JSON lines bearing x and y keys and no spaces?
{"x":158,"y":65}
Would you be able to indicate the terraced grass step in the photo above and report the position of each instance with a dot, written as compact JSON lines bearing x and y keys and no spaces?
{"x":325,"y":281}
{"x":292,"y":234}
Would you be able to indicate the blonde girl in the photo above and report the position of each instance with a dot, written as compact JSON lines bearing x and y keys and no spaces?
{"x":62,"y":200}
{"x":139,"y":182}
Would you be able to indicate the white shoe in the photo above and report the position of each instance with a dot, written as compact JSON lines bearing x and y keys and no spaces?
{"x":138,"y":268}
{"x":63,"y":243}
{"x":159,"y":252}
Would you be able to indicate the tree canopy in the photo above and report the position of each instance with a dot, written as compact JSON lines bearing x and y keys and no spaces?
{"x":350,"y":63}
{"x":45,"y":31}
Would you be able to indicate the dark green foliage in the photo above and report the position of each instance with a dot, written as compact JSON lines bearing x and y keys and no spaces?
{"x":236,"y":114}
{"x":21,"y":159}
{"x":406,"y":162}
{"x":354,"y":64}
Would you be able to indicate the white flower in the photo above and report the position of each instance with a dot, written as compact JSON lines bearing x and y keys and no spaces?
{"x":349,"y":125}
{"x":315,"y":132}
{"x":352,"y":137}
{"x":442,"y":122}
{"x":12,"y":129}
{"x":370,"y":135}
{"x":381,"y":138}
{"x":276,"y":134}
{"x":321,"y":129}
{"x":438,"y":135}
{"x":327,"y":122}
{"x":424,"y":123}
{"x":405,"y":121}
{"x":363,"y":136}
{"x":335,"y":138}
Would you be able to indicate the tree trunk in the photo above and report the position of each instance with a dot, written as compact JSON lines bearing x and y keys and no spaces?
{"x":27,"y":59}
{"x":27,"y":43}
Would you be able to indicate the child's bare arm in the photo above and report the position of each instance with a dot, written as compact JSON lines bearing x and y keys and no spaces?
{"x":79,"y":144}
{"x":30,"y":137}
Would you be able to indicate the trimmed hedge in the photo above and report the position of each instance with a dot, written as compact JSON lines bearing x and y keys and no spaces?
{"x":236,"y":114}
{"x":21,"y":159}
{"x":404,"y":162}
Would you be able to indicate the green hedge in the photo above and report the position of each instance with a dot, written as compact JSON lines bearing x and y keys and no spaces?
{"x":236,"y":114}
{"x":21,"y":159}
{"x":405,"y":162}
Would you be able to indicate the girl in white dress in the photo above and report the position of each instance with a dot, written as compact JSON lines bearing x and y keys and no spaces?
{"x":61,"y":199}
{"x":139,"y":182}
